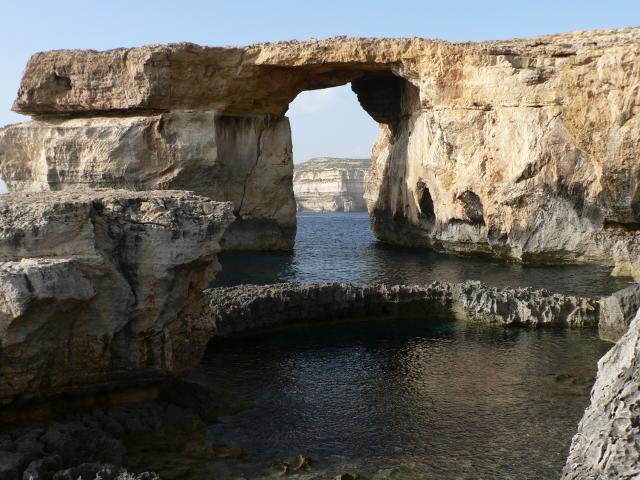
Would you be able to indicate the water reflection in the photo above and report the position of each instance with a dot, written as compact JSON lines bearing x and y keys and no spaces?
{"x":340,"y":247}
{"x":420,"y":398}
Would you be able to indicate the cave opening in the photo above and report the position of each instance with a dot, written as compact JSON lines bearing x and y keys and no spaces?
{"x":425,"y":203}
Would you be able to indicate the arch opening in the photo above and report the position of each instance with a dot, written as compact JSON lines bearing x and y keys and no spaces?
{"x":332,"y":138}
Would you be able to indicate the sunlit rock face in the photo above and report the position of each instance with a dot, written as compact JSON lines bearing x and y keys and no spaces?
{"x":245,"y":160}
{"x":617,"y":312}
{"x":525,"y":149}
{"x":96,"y":287}
{"x":331,"y":184}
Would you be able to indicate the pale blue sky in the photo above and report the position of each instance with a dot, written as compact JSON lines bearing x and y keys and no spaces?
{"x":327,"y":122}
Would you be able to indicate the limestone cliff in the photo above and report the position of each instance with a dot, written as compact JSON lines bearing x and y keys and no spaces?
{"x":96,"y":287}
{"x":523,"y":148}
{"x":331,"y":184}
{"x":245,"y":160}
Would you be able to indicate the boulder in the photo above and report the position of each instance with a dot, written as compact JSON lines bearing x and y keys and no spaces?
{"x":95,"y":286}
{"x":617,"y":311}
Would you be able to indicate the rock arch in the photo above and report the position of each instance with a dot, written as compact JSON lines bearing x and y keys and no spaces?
{"x":526,"y":125}
{"x":182,"y":116}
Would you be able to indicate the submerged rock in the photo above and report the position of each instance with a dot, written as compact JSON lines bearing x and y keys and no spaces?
{"x":299,"y":463}
{"x":96,"y":439}
{"x":348,"y":476}
{"x":606,"y":446}
{"x":251,"y":307}
{"x":95,"y":287}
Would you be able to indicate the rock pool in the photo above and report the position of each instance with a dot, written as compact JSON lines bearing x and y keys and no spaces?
{"x":404,"y":398}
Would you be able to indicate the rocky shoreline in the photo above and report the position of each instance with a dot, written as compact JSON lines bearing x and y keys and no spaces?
{"x":606,"y":445}
{"x":124,"y":194}
{"x":105,"y":291}
{"x":246,"y":308}
{"x":96,"y":286}
{"x":253,"y":308}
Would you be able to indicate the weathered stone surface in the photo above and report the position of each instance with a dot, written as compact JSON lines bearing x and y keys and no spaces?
{"x":617,"y":311}
{"x":252,"y":307}
{"x":522,"y":148}
{"x":95,"y":285}
{"x":606,"y":445}
{"x":264,"y":78}
{"x":525,"y":152}
{"x":331,"y":184}
{"x":244,"y":160}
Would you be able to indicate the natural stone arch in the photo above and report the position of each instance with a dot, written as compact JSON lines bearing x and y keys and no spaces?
{"x":526,"y":125}
{"x":193,"y":123}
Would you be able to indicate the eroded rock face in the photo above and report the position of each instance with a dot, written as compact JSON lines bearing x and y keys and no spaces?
{"x":95,"y":287}
{"x":606,"y":445}
{"x":244,"y":160}
{"x":253,"y":307}
{"x":520,"y":154}
{"x":617,"y":311}
{"x":524,"y":148}
{"x":331,"y":184}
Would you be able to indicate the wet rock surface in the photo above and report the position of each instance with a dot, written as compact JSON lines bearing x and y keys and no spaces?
{"x":251,"y":307}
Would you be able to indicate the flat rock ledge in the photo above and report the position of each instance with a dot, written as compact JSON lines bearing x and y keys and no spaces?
{"x":94,"y":286}
{"x":246,"y":308}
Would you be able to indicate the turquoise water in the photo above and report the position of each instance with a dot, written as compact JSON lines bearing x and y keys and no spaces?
{"x":339,"y":247}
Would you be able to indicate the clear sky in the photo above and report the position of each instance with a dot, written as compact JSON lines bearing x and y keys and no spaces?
{"x":323,"y":123}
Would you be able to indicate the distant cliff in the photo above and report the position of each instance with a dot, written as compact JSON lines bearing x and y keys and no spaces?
{"x":326,"y":184}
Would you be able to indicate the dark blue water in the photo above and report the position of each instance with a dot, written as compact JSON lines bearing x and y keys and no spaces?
{"x":339,"y":247}
{"x":402,"y":398}
{"x":405,"y":399}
